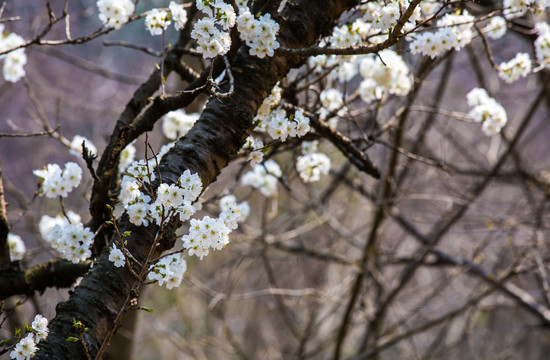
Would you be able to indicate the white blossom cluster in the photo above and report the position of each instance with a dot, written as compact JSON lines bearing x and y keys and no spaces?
{"x":385,"y":72}
{"x":263,"y":177}
{"x":496,"y":27}
{"x":59,"y":182}
{"x":204,"y":234}
{"x":519,"y":66}
{"x":385,"y":16}
{"x":26,"y":347}
{"x":67,"y":235}
{"x":276,"y":123}
{"x":312,"y":164}
{"x":157,"y":21}
{"x":542,"y":45}
{"x":14,"y":61}
{"x":177,"y":123}
{"x":171,"y":200}
{"x":115,"y":13}
{"x":169,"y":270}
{"x":454,"y":31}
{"x":259,"y":34}
{"x":71,"y":240}
{"x":76,"y":146}
{"x":17,"y":247}
{"x":256,"y":155}
{"x":485,"y":110}
{"x":212,"y":31}
{"x":517,"y":8}
{"x":280,"y":127}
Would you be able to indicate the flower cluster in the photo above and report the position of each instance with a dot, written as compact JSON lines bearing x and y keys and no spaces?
{"x":72,"y":240}
{"x":115,"y":13}
{"x":263,"y":177}
{"x":255,"y":147}
{"x":542,"y":45}
{"x":169,"y":270}
{"x":26,"y":347}
{"x":67,"y":235}
{"x":17,"y":247}
{"x":212,"y":31}
{"x":280,"y":127}
{"x":312,"y":164}
{"x":204,"y":234}
{"x":179,"y":15}
{"x":259,"y":34}
{"x":157,"y":21}
{"x":14,"y":61}
{"x":385,"y":17}
{"x":485,"y":110}
{"x":454,"y":31}
{"x":177,"y":123}
{"x":519,"y":66}
{"x":496,"y":27}
{"x":171,"y":199}
{"x":517,"y":8}
{"x":385,"y":72}
{"x":59,"y":182}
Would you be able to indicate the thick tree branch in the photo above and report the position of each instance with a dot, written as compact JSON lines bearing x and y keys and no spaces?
{"x":54,"y":273}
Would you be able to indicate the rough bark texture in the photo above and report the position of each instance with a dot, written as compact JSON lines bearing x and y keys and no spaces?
{"x":206,"y":149}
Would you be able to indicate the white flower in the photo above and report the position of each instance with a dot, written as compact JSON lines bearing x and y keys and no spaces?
{"x":57,"y":182}
{"x":487,"y":111}
{"x":13,"y":65}
{"x":115,"y":13}
{"x":169,"y":270}
{"x":332,"y":99}
{"x":25,"y":349}
{"x":179,"y":15}
{"x":311,"y":166}
{"x":263,"y":177}
{"x":477,"y":96}
{"x":259,"y":34}
{"x":156,"y":21}
{"x":17,"y":247}
{"x":138,"y":213}
{"x":496,"y":27}
{"x":116,"y":256}
{"x":14,"y":61}
{"x":73,"y":241}
{"x":40,"y":326}
{"x":191,"y":185}
{"x":170,"y":196}
{"x":519,"y":66}
{"x":542,"y":47}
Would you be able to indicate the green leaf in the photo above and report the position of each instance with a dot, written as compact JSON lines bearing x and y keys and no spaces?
{"x":149,"y":310}
{"x":72,"y":339}
{"x":126,"y":233}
